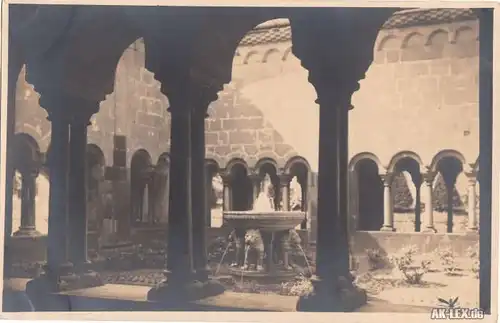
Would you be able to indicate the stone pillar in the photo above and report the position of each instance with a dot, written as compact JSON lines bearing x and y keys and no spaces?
{"x":227,"y":202}
{"x":332,"y":281}
{"x":179,"y":254}
{"x":388,"y":211}
{"x":488,"y":189}
{"x":429,"y":207}
{"x":471,"y":190}
{"x":28,"y":209}
{"x":58,"y":163}
{"x":149,"y":177}
{"x":183,"y":249}
{"x":343,"y":165}
{"x":77,"y":215}
{"x":208,"y":187}
{"x":255,"y":179}
{"x":199,"y":191}
{"x":119,"y":174}
{"x":285,"y":192}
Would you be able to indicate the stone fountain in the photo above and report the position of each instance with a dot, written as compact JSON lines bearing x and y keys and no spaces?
{"x":264,"y":238}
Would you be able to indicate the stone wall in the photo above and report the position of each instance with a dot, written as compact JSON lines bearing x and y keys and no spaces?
{"x":419,"y":95}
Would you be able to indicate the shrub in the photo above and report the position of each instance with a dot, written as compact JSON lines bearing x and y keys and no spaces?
{"x":473,"y":253}
{"x":376,"y":259}
{"x":447,"y":260}
{"x":299,"y":287}
{"x":403,"y":200}
{"x":412,"y":271}
{"x":440,"y":197}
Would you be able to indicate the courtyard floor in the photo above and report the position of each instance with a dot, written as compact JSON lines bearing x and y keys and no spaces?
{"x":129,"y":275}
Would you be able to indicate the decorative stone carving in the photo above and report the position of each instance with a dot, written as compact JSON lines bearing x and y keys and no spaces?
{"x":254,"y":242}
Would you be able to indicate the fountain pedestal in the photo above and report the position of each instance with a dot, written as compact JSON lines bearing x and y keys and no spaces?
{"x":177,"y":290}
{"x":263,"y":232}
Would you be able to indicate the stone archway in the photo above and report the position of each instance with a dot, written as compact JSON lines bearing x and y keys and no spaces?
{"x":140,"y":185}
{"x":298,"y":171}
{"x":161,"y":189}
{"x":27,"y":163}
{"x":371,"y":196}
{"x":99,"y":199}
{"x":263,"y":168}
{"x":241,"y":188}
{"x":445,"y":195}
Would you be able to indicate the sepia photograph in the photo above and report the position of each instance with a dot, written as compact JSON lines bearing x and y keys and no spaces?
{"x":249,"y":159}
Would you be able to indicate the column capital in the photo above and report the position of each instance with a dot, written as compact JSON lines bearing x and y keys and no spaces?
{"x":471,"y":177}
{"x":31,"y":172}
{"x":285,"y":179}
{"x":254,"y":176}
{"x":148,"y":173}
{"x":226,"y":178}
{"x":428,"y":177}
{"x":386,"y":178}
{"x":334,"y":85}
{"x":190,"y":95}
{"x":71,"y":109}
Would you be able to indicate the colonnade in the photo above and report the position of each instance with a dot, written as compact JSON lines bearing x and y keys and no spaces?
{"x":428,"y":215}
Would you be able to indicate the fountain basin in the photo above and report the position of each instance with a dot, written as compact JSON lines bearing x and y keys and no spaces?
{"x":268,"y":221}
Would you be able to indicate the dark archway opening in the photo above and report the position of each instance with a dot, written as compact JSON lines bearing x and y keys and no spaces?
{"x":371,"y":196}
{"x":269,"y":169}
{"x":241,"y":189}
{"x":140,"y":180}
{"x":445,"y":195}
{"x":300,"y":172}
{"x":404,"y":202}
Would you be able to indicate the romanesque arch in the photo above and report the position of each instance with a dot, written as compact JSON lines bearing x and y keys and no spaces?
{"x":161,"y":189}
{"x":240,"y":185}
{"x":27,"y":163}
{"x":215,"y":192}
{"x":370,"y":193}
{"x":263,"y":167}
{"x":448,"y":165}
{"x":406,"y":180}
{"x":298,"y":170}
{"x":140,"y":184}
{"x":98,"y":196}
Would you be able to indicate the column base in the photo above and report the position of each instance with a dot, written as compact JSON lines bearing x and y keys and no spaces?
{"x":202,"y":275}
{"x":178,"y":292}
{"x":429,"y":230}
{"x":44,"y":290}
{"x":345,"y":297}
{"x":27,"y":232}
{"x":387,"y":229}
{"x":474,"y":230}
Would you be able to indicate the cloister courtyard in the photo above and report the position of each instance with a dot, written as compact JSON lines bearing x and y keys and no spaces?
{"x":252,"y":169}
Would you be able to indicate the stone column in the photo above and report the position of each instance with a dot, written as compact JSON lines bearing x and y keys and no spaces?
{"x":488,"y":189}
{"x":471,"y":190}
{"x":199,"y":192}
{"x":149,"y":177}
{"x":28,"y":209}
{"x":227,"y":203}
{"x":332,"y":247}
{"x":388,"y":211}
{"x":58,"y":164}
{"x":119,"y":175}
{"x":77,"y":215}
{"x":285,"y":191}
{"x":255,"y":179}
{"x":429,"y":208}
{"x":208,"y":187}
{"x":187,"y":155}
{"x":179,"y":254}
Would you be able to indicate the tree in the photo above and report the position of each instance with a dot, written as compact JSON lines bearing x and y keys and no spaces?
{"x":440,"y":196}
{"x":403,"y":200}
